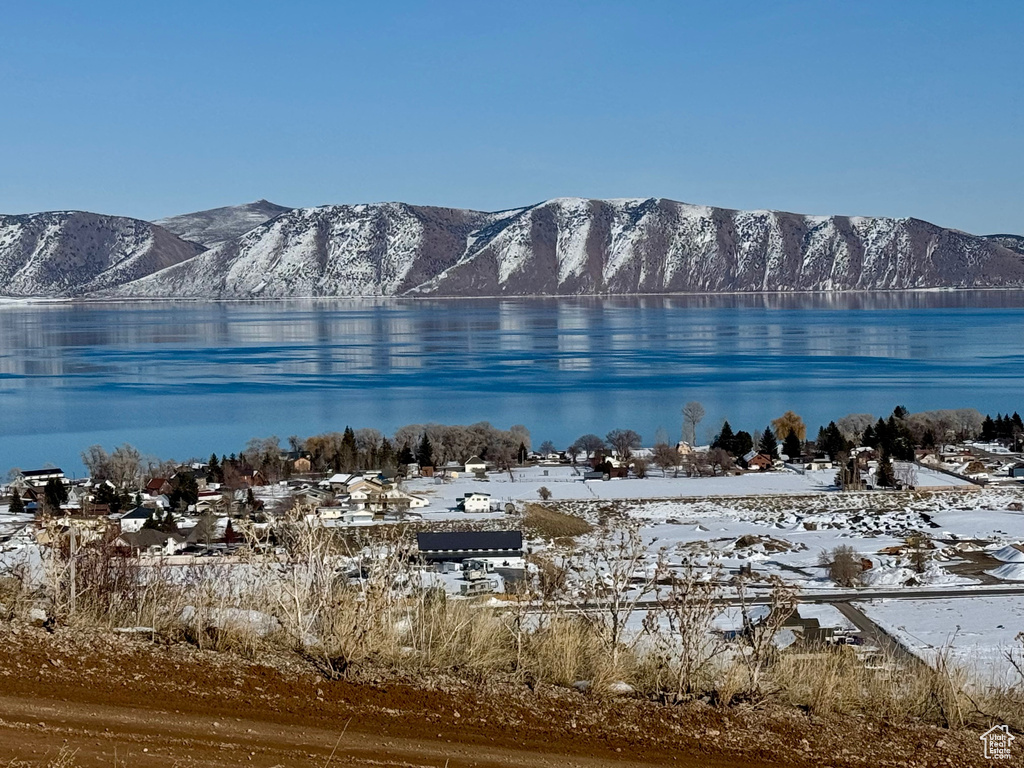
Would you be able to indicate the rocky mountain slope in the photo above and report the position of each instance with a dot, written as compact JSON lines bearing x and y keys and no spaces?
{"x":218,"y":225}
{"x":69,"y":253}
{"x":579,"y":247}
{"x":1014,"y":242}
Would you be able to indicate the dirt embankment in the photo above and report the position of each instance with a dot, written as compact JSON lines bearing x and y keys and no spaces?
{"x":123,"y":701}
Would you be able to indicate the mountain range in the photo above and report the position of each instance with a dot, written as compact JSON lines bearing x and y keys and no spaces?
{"x":565,"y":246}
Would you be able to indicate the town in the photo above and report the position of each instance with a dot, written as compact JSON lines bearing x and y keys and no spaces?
{"x":895,"y":541}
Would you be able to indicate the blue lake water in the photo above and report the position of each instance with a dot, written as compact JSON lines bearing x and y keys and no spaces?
{"x":184,"y":379}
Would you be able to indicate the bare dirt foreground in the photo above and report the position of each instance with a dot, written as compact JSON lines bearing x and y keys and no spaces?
{"x":124,"y":701}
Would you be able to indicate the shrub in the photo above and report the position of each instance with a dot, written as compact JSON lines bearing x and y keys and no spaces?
{"x":843,"y":565}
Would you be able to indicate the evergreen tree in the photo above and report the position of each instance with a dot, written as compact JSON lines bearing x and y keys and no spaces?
{"x":768,"y":444}
{"x":425,"y":453}
{"x":167,"y":523}
{"x":743,"y":443}
{"x":833,"y":443}
{"x":349,"y":452}
{"x":104,"y":494}
{"x":55,"y":493}
{"x":17,"y":506}
{"x":900,"y":412}
{"x":885,"y":477}
{"x":522,"y":454}
{"x":405,"y":456}
{"x":791,"y":446}
{"x":928,"y":439}
{"x":216,"y":472}
{"x":1018,"y":425}
{"x":901,"y":442}
{"x":184,"y":491}
{"x":387,"y":455}
{"x":988,"y":429}
{"x":882,"y":440}
{"x":870,"y":439}
{"x":725,"y":440}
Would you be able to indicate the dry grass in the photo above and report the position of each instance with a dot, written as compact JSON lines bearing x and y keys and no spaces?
{"x":548,"y":524}
{"x":381,"y":621}
{"x":65,"y":758}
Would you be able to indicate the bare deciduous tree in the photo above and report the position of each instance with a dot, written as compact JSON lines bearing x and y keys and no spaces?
{"x":842,"y":565}
{"x":693,"y":414}
{"x":668,"y":458}
{"x":623,"y":441}
{"x":589,"y":444}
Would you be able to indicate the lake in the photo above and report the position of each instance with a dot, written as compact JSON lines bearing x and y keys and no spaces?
{"x":181,"y":379}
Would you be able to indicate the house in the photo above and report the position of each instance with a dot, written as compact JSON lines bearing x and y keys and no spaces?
{"x":313,"y":495}
{"x":149,"y":541}
{"x":474,"y":502}
{"x":1016,"y":471}
{"x":340,"y":517}
{"x":133,"y":520}
{"x":210,"y":501}
{"x":158,"y":486}
{"x":393,"y":498}
{"x":817,"y":464}
{"x":353,"y":518}
{"x":476,"y":465}
{"x":458,"y":546}
{"x":339,"y":482}
{"x":301,"y":466}
{"x":683,"y":448}
{"x":758,"y":461}
{"x":37,"y":478}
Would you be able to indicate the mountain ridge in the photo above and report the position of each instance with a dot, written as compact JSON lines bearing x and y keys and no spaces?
{"x":557,"y":247}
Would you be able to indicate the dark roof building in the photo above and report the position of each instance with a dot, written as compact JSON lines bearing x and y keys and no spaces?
{"x":42,"y":474}
{"x":464,"y":545}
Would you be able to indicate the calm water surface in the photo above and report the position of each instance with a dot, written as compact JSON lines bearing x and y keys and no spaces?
{"x":183,"y":379}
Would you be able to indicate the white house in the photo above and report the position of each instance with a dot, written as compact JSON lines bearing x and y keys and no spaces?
{"x":133,"y":520}
{"x":476,"y":464}
{"x":475,"y":502}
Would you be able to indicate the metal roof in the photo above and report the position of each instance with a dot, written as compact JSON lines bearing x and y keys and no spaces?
{"x":470,"y":541}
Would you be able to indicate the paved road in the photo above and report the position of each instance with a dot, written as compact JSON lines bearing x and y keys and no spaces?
{"x":859,"y":595}
{"x":873,"y":633}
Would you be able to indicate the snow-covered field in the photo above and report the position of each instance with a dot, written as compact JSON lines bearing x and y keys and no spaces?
{"x":977,"y":633}
{"x":565,"y":483}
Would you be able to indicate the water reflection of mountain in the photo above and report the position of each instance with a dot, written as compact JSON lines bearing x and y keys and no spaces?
{"x":346,"y":344}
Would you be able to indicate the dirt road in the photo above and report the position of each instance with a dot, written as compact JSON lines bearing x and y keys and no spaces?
{"x":125,"y":703}
{"x":33,"y":730}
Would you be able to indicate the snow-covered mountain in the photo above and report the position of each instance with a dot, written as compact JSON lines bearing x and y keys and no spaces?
{"x":218,"y":225}
{"x":1014,"y":242}
{"x":69,"y":253}
{"x":577,"y":246}
{"x":385,"y":249}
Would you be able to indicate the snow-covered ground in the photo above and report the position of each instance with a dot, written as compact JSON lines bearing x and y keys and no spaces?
{"x":977,"y":633}
{"x":565,"y":482}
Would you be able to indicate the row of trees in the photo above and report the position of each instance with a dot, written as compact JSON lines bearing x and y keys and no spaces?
{"x":437,"y":444}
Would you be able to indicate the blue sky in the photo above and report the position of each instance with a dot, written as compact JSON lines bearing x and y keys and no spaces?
{"x":873,"y":108}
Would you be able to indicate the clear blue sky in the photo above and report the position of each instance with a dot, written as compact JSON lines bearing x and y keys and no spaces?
{"x":874,"y":108}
